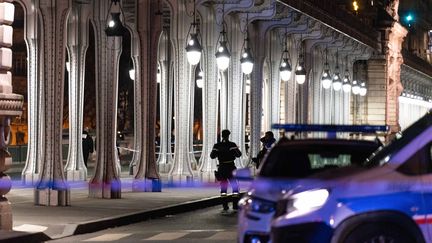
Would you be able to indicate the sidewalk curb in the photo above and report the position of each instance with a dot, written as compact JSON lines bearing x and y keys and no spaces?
{"x":17,"y":236}
{"x":139,"y":216}
{"x":116,"y":221}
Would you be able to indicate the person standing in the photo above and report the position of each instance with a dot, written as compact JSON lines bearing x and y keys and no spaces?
{"x":267,"y":141}
{"x":87,"y":146}
{"x":226,"y":152}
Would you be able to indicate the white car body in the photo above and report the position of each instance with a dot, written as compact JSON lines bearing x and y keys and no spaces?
{"x":396,"y":193}
{"x":257,"y":207}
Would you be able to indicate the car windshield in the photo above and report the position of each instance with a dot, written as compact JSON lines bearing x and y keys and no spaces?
{"x":302,"y":158}
{"x":384,"y":154}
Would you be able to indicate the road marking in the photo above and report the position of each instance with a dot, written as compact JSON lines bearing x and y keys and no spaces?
{"x":205,"y":230}
{"x":108,"y":237}
{"x":167,"y":236}
{"x":30,"y":228}
{"x":223,"y":236}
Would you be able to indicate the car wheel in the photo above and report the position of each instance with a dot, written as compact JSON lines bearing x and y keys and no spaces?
{"x":378,"y":232}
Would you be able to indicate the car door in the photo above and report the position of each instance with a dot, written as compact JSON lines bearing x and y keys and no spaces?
{"x":423,"y":216}
{"x":418,"y":167}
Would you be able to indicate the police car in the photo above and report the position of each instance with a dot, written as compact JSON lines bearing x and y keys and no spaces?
{"x":286,"y":164}
{"x":389,"y":201}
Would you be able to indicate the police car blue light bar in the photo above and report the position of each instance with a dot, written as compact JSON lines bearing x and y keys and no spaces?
{"x":330,"y":128}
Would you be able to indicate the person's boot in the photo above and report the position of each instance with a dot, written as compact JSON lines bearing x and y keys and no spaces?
{"x":236,"y":198}
{"x":225,"y":208}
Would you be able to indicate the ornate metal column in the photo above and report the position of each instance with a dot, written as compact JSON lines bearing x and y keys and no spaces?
{"x":210,"y":91}
{"x":181,"y":170}
{"x":149,"y":27}
{"x":106,"y":180}
{"x":259,"y":40}
{"x":297,"y":25}
{"x":10,"y":105}
{"x":77,"y":44}
{"x":31,"y":171}
{"x":235,"y":87}
{"x":51,"y":189}
{"x":165,"y":158}
{"x":274,"y":56}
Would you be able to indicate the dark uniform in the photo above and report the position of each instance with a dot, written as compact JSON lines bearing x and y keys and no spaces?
{"x":226,"y":152}
{"x":87,"y":146}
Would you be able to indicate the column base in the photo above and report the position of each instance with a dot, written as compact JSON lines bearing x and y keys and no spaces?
{"x":207,"y":177}
{"x":164,"y":168}
{"x":180,"y":180}
{"x":76,"y":175}
{"x":29,"y":179}
{"x":51,"y":197}
{"x":111,"y":190}
{"x":147,"y":185}
{"x":5,"y":214}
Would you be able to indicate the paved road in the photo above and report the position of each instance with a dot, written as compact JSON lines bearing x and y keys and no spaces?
{"x":206,"y":225}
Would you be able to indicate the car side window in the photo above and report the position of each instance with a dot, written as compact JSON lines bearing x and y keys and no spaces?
{"x":418,"y":164}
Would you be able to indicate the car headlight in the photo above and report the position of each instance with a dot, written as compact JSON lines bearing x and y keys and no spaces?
{"x":306,"y":202}
{"x":257,"y":205}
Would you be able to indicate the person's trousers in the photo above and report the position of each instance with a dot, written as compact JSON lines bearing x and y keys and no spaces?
{"x":224,"y":192}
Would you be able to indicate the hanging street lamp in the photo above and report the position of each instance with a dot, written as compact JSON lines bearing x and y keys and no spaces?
{"x":355,"y":87}
{"x":246,"y":60}
{"x":285,"y":65}
{"x":300,"y":71}
{"x":223,"y":54}
{"x":326,"y":81}
{"x":346,"y":85}
{"x":193,"y":46}
{"x":337,"y":82}
{"x":363,"y":89}
{"x":131,"y":70}
{"x":200,"y":80}
{"x":158,"y":75}
{"x":114,"y":25}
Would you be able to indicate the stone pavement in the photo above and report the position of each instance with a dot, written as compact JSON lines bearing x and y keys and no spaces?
{"x":89,"y":214}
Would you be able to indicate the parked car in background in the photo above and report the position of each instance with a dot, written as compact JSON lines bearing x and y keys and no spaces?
{"x":389,"y":199}
{"x":284,"y":166}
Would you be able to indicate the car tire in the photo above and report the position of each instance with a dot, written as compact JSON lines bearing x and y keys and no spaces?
{"x":378,"y":232}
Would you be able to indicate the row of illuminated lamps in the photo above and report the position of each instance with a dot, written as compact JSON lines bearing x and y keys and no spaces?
{"x":415,"y":96}
{"x":194,"y":50}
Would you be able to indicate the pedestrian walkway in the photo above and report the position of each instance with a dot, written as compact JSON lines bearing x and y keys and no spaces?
{"x":90,"y":214}
{"x":193,"y":235}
